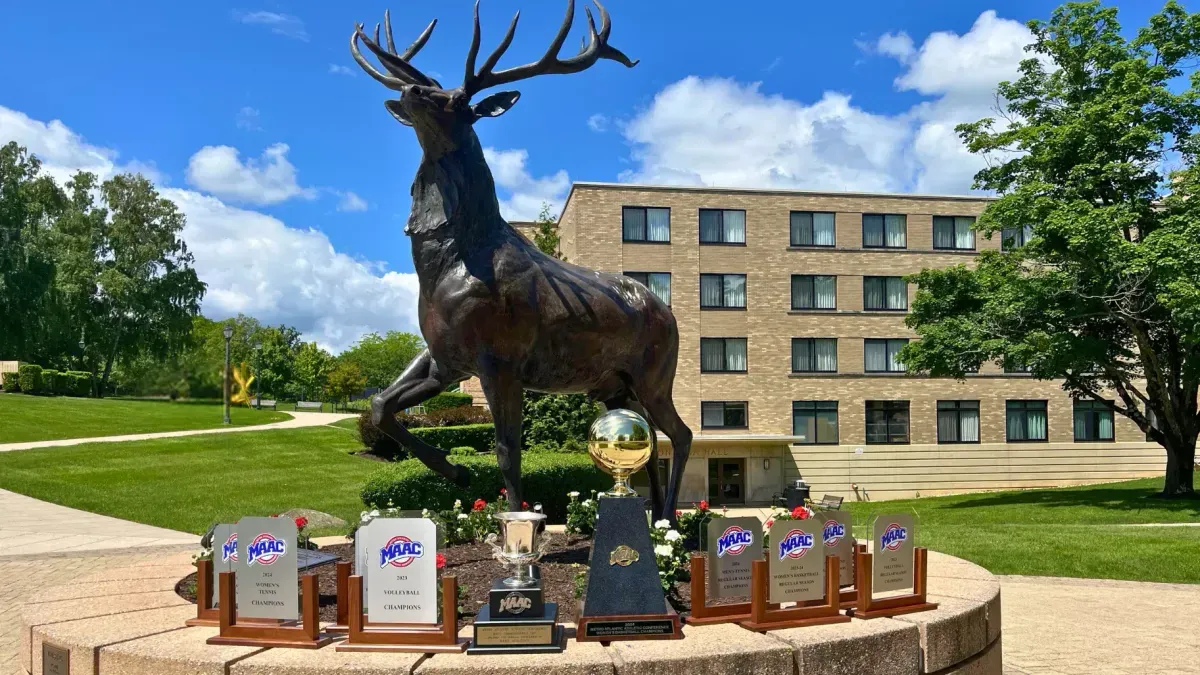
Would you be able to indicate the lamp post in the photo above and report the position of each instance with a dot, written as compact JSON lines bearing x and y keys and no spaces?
{"x":228,"y":333}
{"x":257,"y":377}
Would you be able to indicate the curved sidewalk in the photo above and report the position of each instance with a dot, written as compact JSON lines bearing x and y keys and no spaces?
{"x":299,"y":419}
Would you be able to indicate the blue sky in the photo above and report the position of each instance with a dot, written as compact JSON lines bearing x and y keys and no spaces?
{"x":254,"y":118}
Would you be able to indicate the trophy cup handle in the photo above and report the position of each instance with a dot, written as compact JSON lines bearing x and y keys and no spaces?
{"x":497,"y":549}
{"x":543,"y":543}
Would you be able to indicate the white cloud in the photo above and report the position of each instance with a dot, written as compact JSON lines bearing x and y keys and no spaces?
{"x":351,"y":202}
{"x":268,"y":180}
{"x":598,"y":123}
{"x":714,"y":131}
{"x":526,"y":193}
{"x":279,"y":24}
{"x":247,"y":119}
{"x":252,"y":262}
{"x":335,"y":69}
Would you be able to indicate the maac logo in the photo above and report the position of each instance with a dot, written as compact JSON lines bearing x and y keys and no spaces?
{"x":893,"y":537}
{"x":515,"y":603}
{"x":265,"y":549}
{"x":400,"y":551}
{"x":229,"y":549}
{"x":795,"y":544}
{"x":833,"y":532}
{"x":734,"y":540}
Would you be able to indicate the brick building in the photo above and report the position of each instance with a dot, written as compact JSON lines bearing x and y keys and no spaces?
{"x":790,"y":307}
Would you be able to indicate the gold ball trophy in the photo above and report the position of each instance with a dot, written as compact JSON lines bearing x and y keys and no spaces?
{"x":625,"y":599}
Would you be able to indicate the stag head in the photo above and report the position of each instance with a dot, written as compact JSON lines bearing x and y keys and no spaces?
{"x":436,"y":111}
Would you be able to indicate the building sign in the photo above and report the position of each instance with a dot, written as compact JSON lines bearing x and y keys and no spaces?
{"x":893,"y":541}
{"x":733,"y":545}
{"x":401,"y":561}
{"x":267,"y":575}
{"x":796,"y":561}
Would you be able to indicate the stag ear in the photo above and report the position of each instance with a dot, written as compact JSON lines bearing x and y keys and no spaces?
{"x":397,"y":111}
{"x":496,"y":104}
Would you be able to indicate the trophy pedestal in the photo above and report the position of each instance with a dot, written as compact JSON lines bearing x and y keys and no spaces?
{"x":517,"y":621}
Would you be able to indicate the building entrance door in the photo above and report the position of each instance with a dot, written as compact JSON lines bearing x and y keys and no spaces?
{"x":726,"y":481}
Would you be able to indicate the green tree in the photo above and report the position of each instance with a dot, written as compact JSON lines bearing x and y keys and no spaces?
{"x":345,"y":380}
{"x":381,"y":359}
{"x":556,"y":420}
{"x":545,"y":234}
{"x":311,"y":368}
{"x":1105,"y":294}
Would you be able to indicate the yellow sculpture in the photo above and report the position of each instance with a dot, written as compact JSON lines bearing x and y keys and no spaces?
{"x":242,"y":379}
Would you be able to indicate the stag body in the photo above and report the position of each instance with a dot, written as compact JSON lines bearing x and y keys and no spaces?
{"x":493,"y":305}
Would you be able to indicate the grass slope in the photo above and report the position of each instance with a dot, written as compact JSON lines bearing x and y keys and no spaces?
{"x":41,"y":418}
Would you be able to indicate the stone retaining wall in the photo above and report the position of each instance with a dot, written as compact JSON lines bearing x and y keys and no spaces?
{"x":129,"y":621}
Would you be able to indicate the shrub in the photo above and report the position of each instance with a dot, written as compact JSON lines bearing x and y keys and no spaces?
{"x":554,"y":419}
{"x":446,"y":417}
{"x":31,"y":378}
{"x":480,"y":437}
{"x":463,"y":451}
{"x":545,"y":478}
{"x":53,"y":382}
{"x":79,"y":383}
{"x":11,"y":381}
{"x":581,"y":515}
{"x":448,"y":399}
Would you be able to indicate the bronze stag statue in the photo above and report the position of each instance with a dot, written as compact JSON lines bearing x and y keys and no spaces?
{"x":493,"y":305}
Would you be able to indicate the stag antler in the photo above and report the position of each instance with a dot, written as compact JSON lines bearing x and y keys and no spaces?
{"x":402,"y":72}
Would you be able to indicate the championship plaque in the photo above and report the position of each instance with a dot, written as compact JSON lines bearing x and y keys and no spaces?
{"x":402,"y":562}
{"x":796,"y":561}
{"x":224,"y":552}
{"x":267,"y":575}
{"x":894,"y":536}
{"x":360,"y":560}
{"x":836,"y":533}
{"x":55,"y":660}
{"x":733,"y":545}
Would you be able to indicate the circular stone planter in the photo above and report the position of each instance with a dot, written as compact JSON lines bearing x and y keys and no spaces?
{"x":129,"y":621}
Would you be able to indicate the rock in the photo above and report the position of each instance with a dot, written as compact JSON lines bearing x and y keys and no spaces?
{"x":315,"y":518}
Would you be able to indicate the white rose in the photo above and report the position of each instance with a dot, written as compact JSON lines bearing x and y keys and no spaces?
{"x":573,"y":494}
{"x":463,"y":516}
{"x":587,"y":502}
{"x":374,"y":513}
{"x":424,"y":513}
{"x":663,"y":550}
{"x":671,"y":535}
{"x":458,"y":503}
{"x":663,"y":524}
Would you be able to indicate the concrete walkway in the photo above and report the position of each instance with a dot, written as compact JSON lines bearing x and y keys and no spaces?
{"x":299,"y":420}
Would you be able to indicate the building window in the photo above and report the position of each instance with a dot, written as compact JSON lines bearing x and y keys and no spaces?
{"x":958,"y":421}
{"x":1026,"y":421}
{"x":723,"y":415}
{"x":814,"y":292}
{"x":1093,"y":421}
{"x":723,"y":291}
{"x":814,"y":355}
{"x":812,"y":229}
{"x":815,"y":422}
{"x":1014,"y":367}
{"x":885,"y":231}
{"x":722,"y":355}
{"x":887,"y":422}
{"x":882,"y":356}
{"x":659,"y":283}
{"x":719,"y":226}
{"x":885,"y":293}
{"x":953,"y":233}
{"x":640,"y":223}
{"x":1012,"y":238}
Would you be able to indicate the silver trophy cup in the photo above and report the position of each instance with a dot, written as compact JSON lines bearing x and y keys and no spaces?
{"x":524,"y":543}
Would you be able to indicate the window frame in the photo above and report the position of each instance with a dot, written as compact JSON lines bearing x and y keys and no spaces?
{"x":953,"y":224}
{"x":1093,"y":409}
{"x":813,"y":277}
{"x":888,"y":406}
{"x":811,"y":231}
{"x":886,"y":354}
{"x":725,"y":354}
{"x":700,"y":230}
{"x":813,"y":354}
{"x":722,"y":275}
{"x":883,"y":224}
{"x":724,"y":411}
{"x":646,"y":283}
{"x":646,"y":220}
{"x":958,"y":408}
{"x":814,"y":410}
{"x":884,"y":280}
{"x":1024,"y":407}
{"x":1022,"y":237}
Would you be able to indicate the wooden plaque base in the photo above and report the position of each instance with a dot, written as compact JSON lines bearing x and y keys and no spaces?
{"x":848,"y":595}
{"x":206,"y":614}
{"x":341,"y":625}
{"x":763,"y":618}
{"x":868,"y":608}
{"x":704,"y":614}
{"x":364,"y":637}
{"x":307,"y":635}
{"x":670,"y":616}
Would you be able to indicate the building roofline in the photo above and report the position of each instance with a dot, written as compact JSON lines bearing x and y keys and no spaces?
{"x":766,"y":191}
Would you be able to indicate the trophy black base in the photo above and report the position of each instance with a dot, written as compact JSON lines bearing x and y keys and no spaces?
{"x":664,"y":626}
{"x":526,"y":635}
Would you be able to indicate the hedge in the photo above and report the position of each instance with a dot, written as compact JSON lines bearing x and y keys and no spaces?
{"x":31,"y":378}
{"x":53,"y":382}
{"x":545,"y":478}
{"x":481,"y":437}
{"x":79,"y":383}
{"x":448,"y":399}
{"x":11,"y":381}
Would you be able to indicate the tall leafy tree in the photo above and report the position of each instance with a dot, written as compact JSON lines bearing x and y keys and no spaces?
{"x":344,"y":380}
{"x":311,"y":370}
{"x":381,"y":358}
{"x":1105,"y":294}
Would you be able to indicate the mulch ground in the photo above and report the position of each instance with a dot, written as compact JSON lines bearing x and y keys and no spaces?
{"x":475,"y":568}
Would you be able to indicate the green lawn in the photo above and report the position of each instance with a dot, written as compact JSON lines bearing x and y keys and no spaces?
{"x":41,"y":418}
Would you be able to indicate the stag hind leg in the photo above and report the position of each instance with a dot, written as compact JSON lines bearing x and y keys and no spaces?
{"x":504,"y":395}
{"x":661,"y":411}
{"x":656,"y":493}
{"x":422,"y":380}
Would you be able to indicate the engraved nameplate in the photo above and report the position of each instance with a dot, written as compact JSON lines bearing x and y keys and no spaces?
{"x":618,"y":629}
{"x":492,"y":635}
{"x":55,"y":660}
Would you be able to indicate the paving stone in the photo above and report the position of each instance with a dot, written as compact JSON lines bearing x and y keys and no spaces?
{"x":579,"y":658}
{"x":989,"y":662}
{"x":950,"y":634}
{"x":325,"y":660}
{"x":987,"y":592}
{"x":722,"y":649}
{"x":84,"y":638}
{"x":95,"y":590}
{"x":179,"y":652}
{"x":875,"y":647}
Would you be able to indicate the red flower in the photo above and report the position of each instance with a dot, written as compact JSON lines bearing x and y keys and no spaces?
{"x":800,"y":513}
{"x":525,"y":505}
{"x":704,"y":505}
{"x":441,"y":560}
{"x":503,"y":491}
{"x":769,"y":523}
{"x":678,"y":513}
{"x":479,"y":505}
{"x":301,"y":522}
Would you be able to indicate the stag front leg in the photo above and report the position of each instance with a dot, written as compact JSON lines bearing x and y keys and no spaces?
{"x":662,"y":410}
{"x":504,"y":396}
